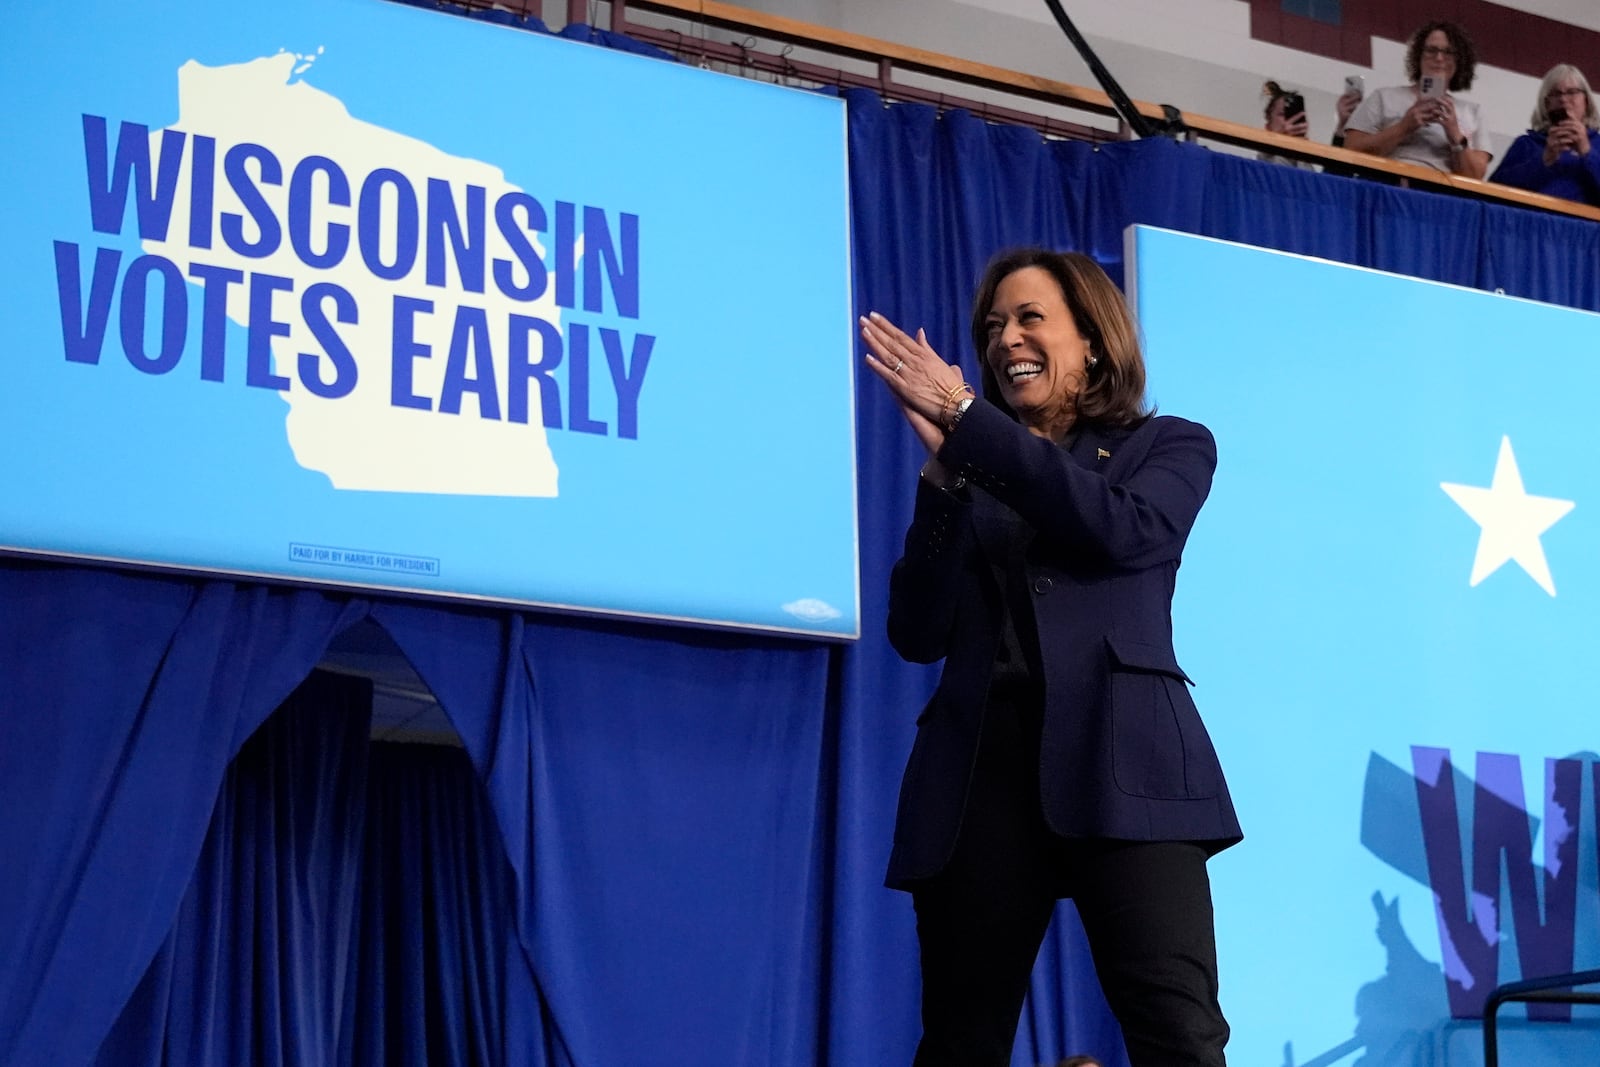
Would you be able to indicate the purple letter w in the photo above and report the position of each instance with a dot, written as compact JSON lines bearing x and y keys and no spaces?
{"x":1470,"y":924}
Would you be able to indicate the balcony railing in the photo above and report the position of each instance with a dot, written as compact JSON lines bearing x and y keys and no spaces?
{"x":801,"y":53}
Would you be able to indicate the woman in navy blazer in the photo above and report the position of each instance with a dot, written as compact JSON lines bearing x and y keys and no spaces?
{"x":1061,"y":755}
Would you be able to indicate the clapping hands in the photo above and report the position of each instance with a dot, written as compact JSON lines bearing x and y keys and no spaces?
{"x":920,"y":380}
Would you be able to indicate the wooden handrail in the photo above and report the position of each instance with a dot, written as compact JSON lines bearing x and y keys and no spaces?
{"x":968,"y":72}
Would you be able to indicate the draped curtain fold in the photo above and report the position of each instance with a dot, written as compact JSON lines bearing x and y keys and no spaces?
{"x":256,"y":968}
{"x":438,"y":923}
{"x":124,"y":698}
{"x":352,"y":904}
{"x":694,"y":825}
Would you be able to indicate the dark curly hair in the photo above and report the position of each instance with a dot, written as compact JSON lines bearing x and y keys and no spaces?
{"x":1466,"y":54}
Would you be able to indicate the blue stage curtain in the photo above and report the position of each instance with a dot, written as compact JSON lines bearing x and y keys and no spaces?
{"x":122,"y":699}
{"x":577,"y":31}
{"x":1429,"y":235}
{"x":257,"y":968}
{"x":352,"y":905}
{"x":660,"y":805}
{"x":437,"y":922}
{"x":436,"y":914}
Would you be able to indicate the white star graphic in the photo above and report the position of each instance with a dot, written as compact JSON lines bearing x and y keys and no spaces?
{"x":1510,"y":521}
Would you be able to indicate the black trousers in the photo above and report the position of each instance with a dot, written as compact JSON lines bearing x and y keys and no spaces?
{"x":1146,"y":907}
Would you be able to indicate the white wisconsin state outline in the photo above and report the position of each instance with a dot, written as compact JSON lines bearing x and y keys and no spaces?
{"x":361,"y":441}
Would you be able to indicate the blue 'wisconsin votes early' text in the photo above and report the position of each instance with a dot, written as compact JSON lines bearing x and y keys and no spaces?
{"x":390,"y":228}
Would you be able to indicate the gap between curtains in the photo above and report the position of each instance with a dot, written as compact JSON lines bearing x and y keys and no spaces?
{"x":352,"y":905}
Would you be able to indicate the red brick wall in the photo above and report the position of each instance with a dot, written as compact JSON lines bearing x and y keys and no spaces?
{"x":1505,"y":37}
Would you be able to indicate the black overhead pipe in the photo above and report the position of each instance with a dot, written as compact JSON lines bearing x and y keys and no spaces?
{"x":1169,"y":126}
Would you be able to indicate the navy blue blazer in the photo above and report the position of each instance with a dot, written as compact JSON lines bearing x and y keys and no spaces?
{"x":1124,"y":754}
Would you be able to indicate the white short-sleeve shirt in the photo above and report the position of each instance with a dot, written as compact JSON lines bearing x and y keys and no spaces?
{"x":1428,"y":146}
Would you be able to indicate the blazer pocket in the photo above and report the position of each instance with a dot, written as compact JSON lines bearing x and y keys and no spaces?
{"x":1159,"y":748}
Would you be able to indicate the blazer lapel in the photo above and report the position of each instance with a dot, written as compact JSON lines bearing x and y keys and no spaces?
{"x":996,"y":525}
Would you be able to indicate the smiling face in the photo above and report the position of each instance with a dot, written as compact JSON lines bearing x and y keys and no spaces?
{"x":1035,"y":350}
{"x":1438,"y":56}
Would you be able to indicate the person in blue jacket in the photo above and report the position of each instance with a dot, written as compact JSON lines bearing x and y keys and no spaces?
{"x":1560,"y":155}
{"x":1061,"y":754}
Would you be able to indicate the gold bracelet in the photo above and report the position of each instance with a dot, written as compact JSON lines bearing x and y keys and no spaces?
{"x":950,"y":399}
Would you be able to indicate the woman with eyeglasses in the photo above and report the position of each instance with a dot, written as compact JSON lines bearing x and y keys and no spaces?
{"x":1560,"y":156}
{"x":1424,"y":122}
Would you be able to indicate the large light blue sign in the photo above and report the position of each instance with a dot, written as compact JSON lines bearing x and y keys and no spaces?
{"x":351,"y":292}
{"x":1389,"y":606}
